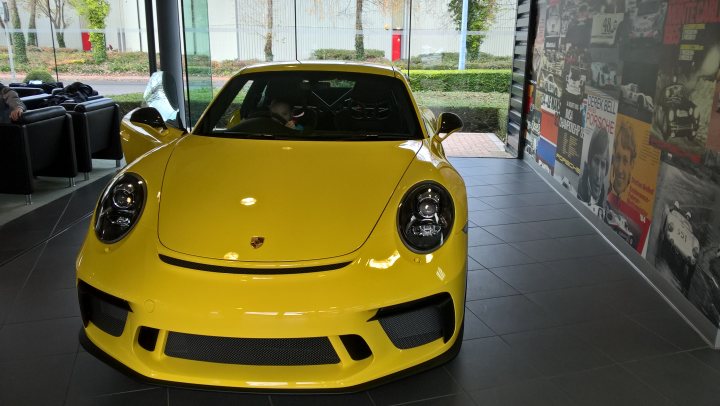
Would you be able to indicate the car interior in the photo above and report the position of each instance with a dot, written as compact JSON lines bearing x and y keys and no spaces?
{"x":327,"y":106}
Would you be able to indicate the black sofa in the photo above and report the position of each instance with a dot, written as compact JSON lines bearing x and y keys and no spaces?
{"x":96,"y":124}
{"x":42,"y":144}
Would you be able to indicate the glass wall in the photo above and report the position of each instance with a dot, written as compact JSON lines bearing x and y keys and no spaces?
{"x":421,"y":37}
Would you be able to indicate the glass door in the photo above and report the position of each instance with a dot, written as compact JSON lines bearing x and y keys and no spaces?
{"x":198,"y":64}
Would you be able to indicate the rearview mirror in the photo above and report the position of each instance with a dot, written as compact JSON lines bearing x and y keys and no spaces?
{"x":447,"y":123}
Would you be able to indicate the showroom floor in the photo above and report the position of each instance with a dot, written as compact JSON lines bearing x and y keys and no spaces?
{"x":543,"y":327}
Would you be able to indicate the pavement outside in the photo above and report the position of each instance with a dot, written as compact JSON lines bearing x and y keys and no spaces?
{"x":479,"y":145}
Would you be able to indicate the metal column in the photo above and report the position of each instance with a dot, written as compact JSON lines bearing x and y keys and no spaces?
{"x":169,"y":44}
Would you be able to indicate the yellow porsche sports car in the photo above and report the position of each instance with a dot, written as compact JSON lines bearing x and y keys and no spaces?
{"x":307,"y":234}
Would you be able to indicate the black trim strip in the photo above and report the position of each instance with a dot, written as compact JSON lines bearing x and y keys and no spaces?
{"x":250,"y":271}
{"x":443,"y":358}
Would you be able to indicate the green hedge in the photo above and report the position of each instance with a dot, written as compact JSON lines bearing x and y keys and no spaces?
{"x":472,"y":80}
{"x":449,"y":60}
{"x":345,"y":54}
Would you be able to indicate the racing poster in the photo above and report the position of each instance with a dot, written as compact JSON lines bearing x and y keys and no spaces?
{"x":632,"y":181}
{"x":685,"y":89}
{"x":597,"y":145}
{"x":571,"y":121}
{"x":684,"y":240}
{"x":713,"y":138}
{"x":637,"y":90}
{"x":605,"y":28}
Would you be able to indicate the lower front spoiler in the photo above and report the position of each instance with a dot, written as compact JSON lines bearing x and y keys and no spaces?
{"x":441,"y":359}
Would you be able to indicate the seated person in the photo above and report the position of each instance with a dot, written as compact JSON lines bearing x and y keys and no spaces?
{"x":284,"y":111}
{"x":11,"y":107}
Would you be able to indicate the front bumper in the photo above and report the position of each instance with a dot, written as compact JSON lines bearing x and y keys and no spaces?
{"x":329,"y":330}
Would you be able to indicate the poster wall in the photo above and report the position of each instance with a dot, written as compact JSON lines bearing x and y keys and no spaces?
{"x":626,"y":116}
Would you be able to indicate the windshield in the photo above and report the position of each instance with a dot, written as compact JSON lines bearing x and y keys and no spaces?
{"x":310,"y":105}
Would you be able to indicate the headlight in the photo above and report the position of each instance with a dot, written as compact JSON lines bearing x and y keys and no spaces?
{"x":425,"y":217}
{"x":119,"y":208}
{"x":695,"y":252}
{"x":670,"y":227}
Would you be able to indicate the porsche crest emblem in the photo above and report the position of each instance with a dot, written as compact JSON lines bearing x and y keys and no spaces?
{"x":257,"y":241}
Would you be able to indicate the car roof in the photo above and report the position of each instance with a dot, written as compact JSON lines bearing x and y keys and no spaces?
{"x":326,"y":66}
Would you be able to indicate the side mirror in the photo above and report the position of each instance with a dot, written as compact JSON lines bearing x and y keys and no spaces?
{"x":148,"y":116}
{"x":447,"y":123}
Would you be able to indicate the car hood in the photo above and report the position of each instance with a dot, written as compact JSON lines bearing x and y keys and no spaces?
{"x":307,"y":199}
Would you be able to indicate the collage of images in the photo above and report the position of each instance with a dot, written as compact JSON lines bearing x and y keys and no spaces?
{"x":625,"y":114}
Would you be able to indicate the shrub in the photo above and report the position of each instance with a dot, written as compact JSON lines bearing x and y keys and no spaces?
{"x":345,"y":54}
{"x":472,"y":80}
{"x":41,"y":75}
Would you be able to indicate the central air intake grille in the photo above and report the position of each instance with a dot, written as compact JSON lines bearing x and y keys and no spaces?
{"x":413,"y":324}
{"x":252,"y":351}
{"x":250,"y":271}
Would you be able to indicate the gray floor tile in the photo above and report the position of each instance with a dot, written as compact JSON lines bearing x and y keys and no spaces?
{"x":586,"y":271}
{"x":608,"y":386}
{"x":681,"y":378}
{"x":33,"y":305}
{"x":460,"y":399}
{"x":634,"y":295}
{"x":481,"y":191}
{"x":516,"y":232}
{"x":564,"y":227}
{"x":191,"y":397}
{"x":538,"y":392}
{"x":488,"y":362}
{"x":586,"y":245}
{"x":669,"y":325}
{"x":39,"y":338}
{"x":474,"y":181}
{"x":504,"y":201}
{"x":622,"y":339}
{"x":354,"y":399}
{"x":7,"y":297}
{"x":492,"y":217}
{"x":37,"y":381}
{"x":474,"y":327}
{"x":576,"y":304}
{"x":478,"y":236}
{"x":546,"y":212}
{"x":483,"y":284}
{"x":433,"y":383}
{"x":708,"y":356}
{"x":521,"y":188}
{"x":511,"y":314}
{"x":491,"y":256}
{"x":536,"y":277}
{"x":148,"y":397}
{"x":543,"y":250}
{"x":91,"y":378}
{"x":474,"y":265}
{"x":555,"y":351}
{"x":14,"y":273}
{"x":475,"y":204}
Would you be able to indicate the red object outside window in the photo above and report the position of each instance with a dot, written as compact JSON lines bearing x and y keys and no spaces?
{"x":396,"y":45}
{"x":86,"y":41}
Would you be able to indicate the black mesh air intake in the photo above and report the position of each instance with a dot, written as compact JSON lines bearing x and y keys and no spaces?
{"x":252,"y":351}
{"x":106,"y":312}
{"x":413,"y":324}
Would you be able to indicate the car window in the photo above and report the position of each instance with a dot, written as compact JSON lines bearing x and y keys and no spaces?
{"x":312,"y":105}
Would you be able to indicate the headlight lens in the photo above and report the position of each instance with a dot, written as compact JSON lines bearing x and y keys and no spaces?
{"x":119,"y":208}
{"x":425,"y":217}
